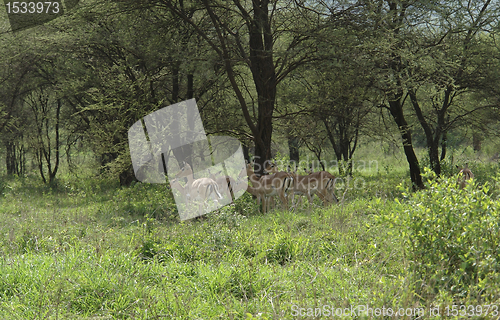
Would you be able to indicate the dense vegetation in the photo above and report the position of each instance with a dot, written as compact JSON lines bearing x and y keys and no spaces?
{"x":89,"y":248}
{"x":321,"y":76}
{"x":388,"y":95}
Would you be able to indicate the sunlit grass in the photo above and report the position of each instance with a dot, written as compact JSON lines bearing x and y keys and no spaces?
{"x":88,"y":248}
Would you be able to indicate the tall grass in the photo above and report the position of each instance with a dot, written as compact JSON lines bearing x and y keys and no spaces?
{"x":89,"y":249}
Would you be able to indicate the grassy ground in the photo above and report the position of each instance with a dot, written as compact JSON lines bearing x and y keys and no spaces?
{"x":89,"y":249}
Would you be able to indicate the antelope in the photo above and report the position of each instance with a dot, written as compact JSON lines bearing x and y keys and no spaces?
{"x":325,"y":192}
{"x":326,"y":189}
{"x":259,"y":194}
{"x":464,"y":175}
{"x":233,"y":186}
{"x":177,"y":186}
{"x":199,"y":189}
{"x":269,"y":186}
{"x":223,"y":181}
{"x":270,"y":167}
{"x":304,"y":185}
{"x":319,"y":183}
{"x":243,"y":185}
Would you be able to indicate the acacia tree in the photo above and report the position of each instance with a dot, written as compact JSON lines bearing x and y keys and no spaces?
{"x":335,"y":93}
{"x":45,"y":138}
{"x":262,"y":36}
{"x":385,"y":45}
{"x":343,"y":104}
{"x":425,"y":55}
{"x":451,"y":62}
{"x":331,"y":104}
{"x":15,"y":69}
{"x":130,"y":63}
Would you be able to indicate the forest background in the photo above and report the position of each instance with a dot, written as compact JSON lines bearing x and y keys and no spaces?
{"x":394,"y":94}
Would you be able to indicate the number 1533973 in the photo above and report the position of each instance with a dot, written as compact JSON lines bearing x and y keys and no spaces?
{"x":32,"y":7}
{"x":471,"y":311}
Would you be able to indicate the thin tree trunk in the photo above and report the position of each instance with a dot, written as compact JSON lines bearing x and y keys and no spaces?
{"x":52,"y":174}
{"x":175,"y":83}
{"x":336,"y":148}
{"x":432,"y":139}
{"x":293,"y":147}
{"x":396,"y":110}
{"x":190,"y":86}
{"x":40,"y":164}
{"x":246,"y":153}
{"x":444,"y":142}
{"x":9,"y":157}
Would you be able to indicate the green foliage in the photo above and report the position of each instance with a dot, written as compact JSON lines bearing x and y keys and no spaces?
{"x":143,"y":199}
{"x":93,"y":249}
{"x":454,"y":236}
{"x":284,"y":248}
{"x":3,"y":186}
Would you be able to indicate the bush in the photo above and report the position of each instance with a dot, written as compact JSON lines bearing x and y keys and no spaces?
{"x":454,"y":236}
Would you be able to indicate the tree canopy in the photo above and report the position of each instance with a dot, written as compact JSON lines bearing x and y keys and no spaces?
{"x":319,"y":75}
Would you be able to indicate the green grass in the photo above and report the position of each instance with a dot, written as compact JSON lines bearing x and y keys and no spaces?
{"x":88,"y":249}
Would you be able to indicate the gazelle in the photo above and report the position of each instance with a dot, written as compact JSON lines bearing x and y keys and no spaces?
{"x":269,"y":186}
{"x":223,"y":181}
{"x":319,"y":183}
{"x":327,"y":188}
{"x":234,"y":186}
{"x":199,"y":189}
{"x":270,"y":167}
{"x":304,"y":185}
{"x":177,"y":186}
{"x":464,"y":175}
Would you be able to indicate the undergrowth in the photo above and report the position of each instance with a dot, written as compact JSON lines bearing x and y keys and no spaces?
{"x":90,"y":249}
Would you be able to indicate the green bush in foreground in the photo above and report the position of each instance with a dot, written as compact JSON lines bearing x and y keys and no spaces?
{"x":454,"y":238}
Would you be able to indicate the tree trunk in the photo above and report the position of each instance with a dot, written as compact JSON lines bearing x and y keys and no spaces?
{"x":52,"y":173}
{"x":444,"y":142}
{"x":433,"y":151}
{"x":190,"y":86}
{"x":10,"y":157}
{"x":246,"y":153}
{"x":263,"y":151}
{"x":476,"y":141}
{"x":264,"y":77}
{"x":336,"y":148}
{"x":432,"y":139}
{"x":396,"y":109}
{"x":39,"y":158}
{"x":175,"y":83}
{"x":293,"y":147}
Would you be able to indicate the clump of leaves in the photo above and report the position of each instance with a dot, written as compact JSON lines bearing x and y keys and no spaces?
{"x":454,"y":235}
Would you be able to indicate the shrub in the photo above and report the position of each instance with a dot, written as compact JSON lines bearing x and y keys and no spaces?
{"x":454,"y":236}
